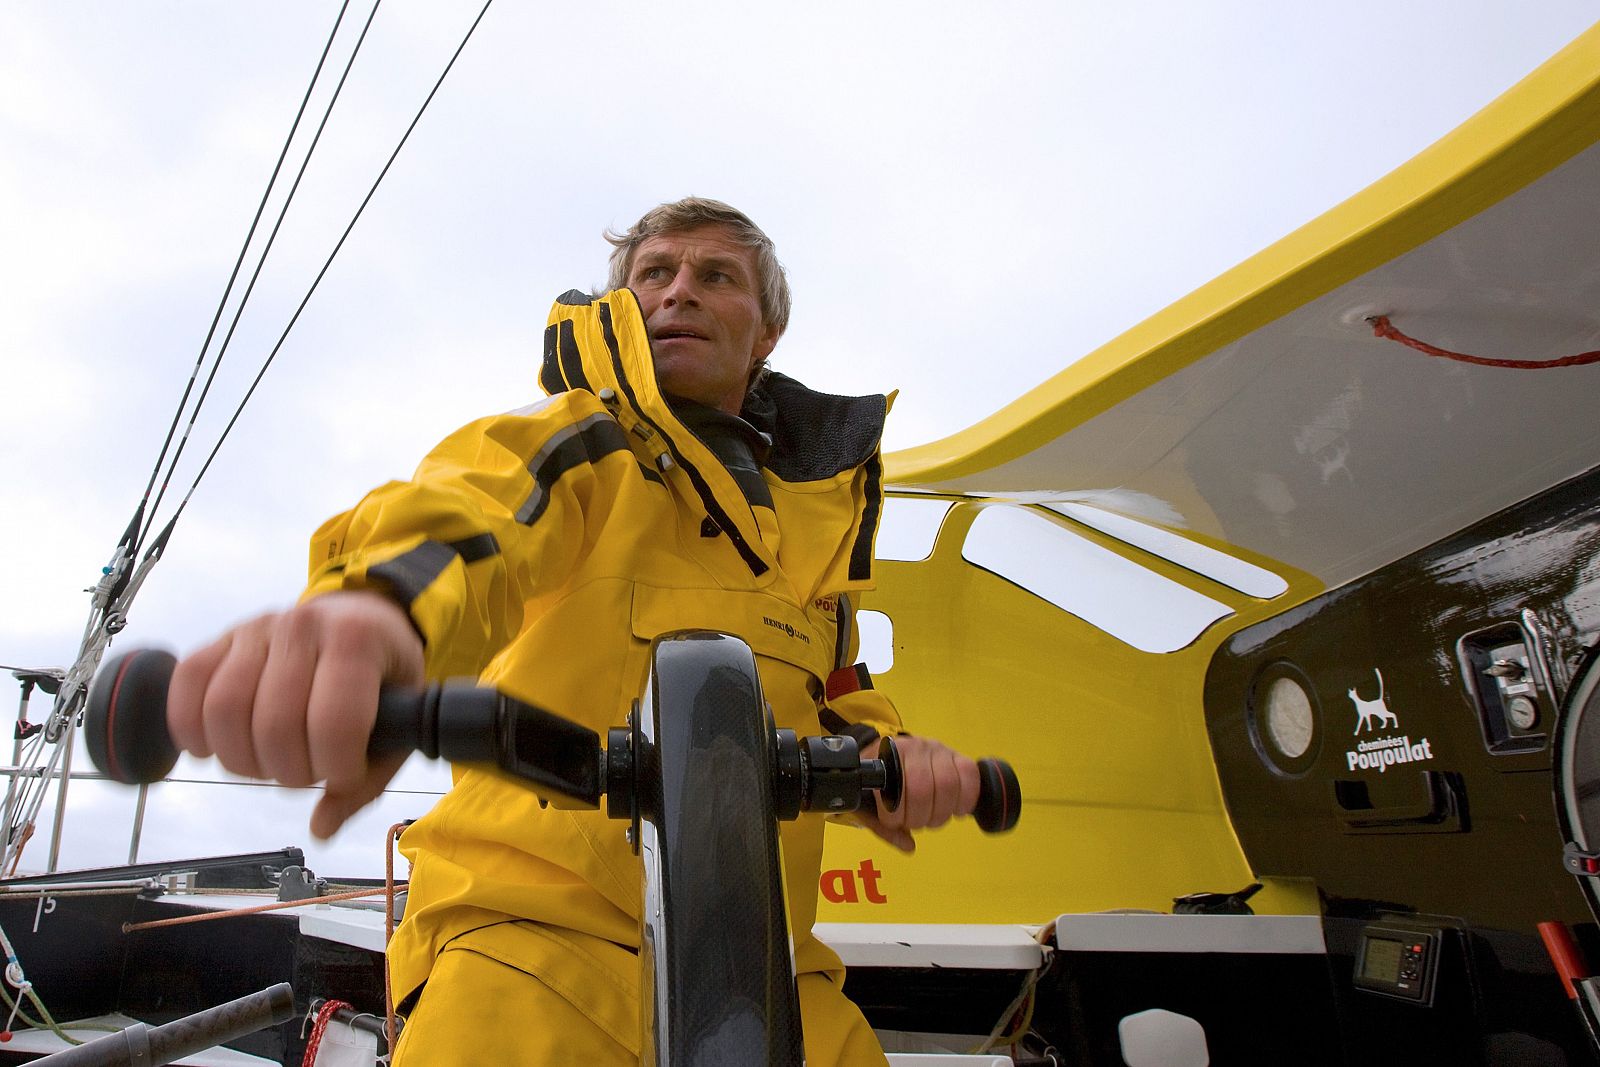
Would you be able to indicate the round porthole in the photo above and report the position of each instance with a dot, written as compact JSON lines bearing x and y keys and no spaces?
{"x":1283,"y":718}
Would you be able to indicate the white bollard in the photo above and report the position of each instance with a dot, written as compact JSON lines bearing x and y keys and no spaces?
{"x":1161,"y":1038}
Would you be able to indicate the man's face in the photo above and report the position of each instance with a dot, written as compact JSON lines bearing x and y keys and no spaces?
{"x":702,"y":308}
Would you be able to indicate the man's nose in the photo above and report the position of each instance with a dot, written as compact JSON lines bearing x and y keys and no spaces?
{"x":681,"y":290}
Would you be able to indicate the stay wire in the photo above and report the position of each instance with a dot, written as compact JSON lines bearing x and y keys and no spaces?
{"x":227,"y":291}
{"x":114,"y":598}
{"x":329,"y":261}
{"x":261,"y":260}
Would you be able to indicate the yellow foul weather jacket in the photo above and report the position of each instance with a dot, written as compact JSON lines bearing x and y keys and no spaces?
{"x":542,"y":550}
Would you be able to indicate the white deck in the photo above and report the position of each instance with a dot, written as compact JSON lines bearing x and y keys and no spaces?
{"x":1153,"y":932}
{"x":976,"y":946}
{"x":979,"y":947}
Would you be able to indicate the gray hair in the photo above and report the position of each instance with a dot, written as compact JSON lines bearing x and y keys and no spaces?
{"x":692,"y":211}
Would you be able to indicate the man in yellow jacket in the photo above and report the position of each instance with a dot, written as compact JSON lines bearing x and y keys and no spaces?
{"x":669,"y":481}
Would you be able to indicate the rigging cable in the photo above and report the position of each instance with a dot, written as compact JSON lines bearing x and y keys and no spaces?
{"x":326,"y":264}
{"x":112,"y":594}
{"x":261,"y":260}
{"x":266,"y":194}
{"x":115,"y":591}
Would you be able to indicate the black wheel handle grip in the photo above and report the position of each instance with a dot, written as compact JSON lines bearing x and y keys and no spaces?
{"x":125,"y":728}
{"x":999,"y":797}
{"x":893,"y":775}
{"x":125,"y":720}
{"x":125,"y":731}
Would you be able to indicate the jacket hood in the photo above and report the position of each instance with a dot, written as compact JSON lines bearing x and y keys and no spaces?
{"x":600,"y":345}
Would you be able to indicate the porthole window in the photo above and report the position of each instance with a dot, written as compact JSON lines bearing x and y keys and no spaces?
{"x":1284,"y":719}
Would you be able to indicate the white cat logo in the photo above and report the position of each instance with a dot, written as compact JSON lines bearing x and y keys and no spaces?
{"x":1370,"y":713}
{"x":1381,"y":753}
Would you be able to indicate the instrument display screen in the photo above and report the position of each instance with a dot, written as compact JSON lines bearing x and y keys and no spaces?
{"x":1382,"y":961}
{"x":1399,"y":961}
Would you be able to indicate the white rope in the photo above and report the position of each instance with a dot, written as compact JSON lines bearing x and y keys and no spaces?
{"x":24,"y":988}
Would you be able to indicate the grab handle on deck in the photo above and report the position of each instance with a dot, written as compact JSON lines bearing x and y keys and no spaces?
{"x":150,"y":1046}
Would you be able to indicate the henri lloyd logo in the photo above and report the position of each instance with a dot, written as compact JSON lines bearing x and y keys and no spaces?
{"x":1381,"y":753}
{"x":787,"y":629}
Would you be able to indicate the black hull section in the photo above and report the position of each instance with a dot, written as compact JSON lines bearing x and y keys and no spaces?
{"x":83,"y":965}
{"x":1426,"y":789}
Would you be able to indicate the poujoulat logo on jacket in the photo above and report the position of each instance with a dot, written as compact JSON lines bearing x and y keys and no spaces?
{"x":1381,"y":753}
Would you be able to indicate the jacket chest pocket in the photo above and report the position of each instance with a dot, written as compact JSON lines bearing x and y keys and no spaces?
{"x":768,"y":625}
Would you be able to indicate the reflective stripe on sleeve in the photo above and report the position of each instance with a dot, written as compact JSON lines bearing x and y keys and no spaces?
{"x":409,"y":574}
{"x":586,"y":441}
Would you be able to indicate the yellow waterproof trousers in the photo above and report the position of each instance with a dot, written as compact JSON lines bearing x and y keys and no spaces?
{"x":528,"y":994}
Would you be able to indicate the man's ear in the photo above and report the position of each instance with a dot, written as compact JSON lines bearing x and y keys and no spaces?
{"x":766,"y":341}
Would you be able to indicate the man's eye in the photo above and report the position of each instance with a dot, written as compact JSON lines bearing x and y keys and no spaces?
{"x":653,"y":274}
{"x":716,"y":276}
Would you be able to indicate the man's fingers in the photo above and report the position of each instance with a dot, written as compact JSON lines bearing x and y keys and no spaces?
{"x":916,"y":799}
{"x":938,"y":783}
{"x":895,"y":835}
{"x":186,"y":696}
{"x":890,"y":820}
{"x":293,"y":697}
{"x":276,"y":726}
{"x":339,"y":714}
{"x":330,"y":813}
{"x":361,"y":648}
{"x":900,"y":839}
{"x":335,"y":807}
{"x":946,"y":797}
{"x":971,"y":785}
{"x":230,"y":699}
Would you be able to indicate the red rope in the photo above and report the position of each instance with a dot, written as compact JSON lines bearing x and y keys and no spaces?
{"x":1381,"y":327}
{"x":324,"y":1016}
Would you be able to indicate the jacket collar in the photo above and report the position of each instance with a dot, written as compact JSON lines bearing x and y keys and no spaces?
{"x":600,"y":345}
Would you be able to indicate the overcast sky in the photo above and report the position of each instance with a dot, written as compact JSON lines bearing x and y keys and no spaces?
{"x":968,"y":197}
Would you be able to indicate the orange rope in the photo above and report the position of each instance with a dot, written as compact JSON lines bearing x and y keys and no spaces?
{"x":129,"y":928}
{"x":1381,"y":327}
{"x":22,"y":842}
{"x":389,"y":1024}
